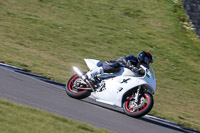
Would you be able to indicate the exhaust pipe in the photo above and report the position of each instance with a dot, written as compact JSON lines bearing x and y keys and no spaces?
{"x":79,"y":72}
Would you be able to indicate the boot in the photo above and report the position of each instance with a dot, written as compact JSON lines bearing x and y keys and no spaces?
{"x":91,"y":74}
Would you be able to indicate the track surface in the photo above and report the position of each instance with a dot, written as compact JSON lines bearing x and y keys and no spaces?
{"x":26,"y":90}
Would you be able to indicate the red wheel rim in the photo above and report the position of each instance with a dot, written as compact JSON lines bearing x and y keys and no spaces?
{"x":140,"y":109}
{"x":71,"y":83}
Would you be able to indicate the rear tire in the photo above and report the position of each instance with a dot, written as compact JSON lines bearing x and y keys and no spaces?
{"x":147,"y":105}
{"x":73,"y":92}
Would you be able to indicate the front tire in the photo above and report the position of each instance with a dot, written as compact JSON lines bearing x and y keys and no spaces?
{"x":73,"y":92}
{"x":138,"y":109}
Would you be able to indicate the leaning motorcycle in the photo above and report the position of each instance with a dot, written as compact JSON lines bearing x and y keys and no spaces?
{"x":126,"y":89}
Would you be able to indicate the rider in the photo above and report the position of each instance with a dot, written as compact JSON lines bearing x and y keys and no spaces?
{"x":131,"y":62}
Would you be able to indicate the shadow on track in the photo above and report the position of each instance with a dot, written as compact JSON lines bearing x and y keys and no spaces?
{"x":158,"y":122}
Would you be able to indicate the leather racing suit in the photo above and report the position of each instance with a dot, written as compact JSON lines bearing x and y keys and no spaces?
{"x":113,"y":66}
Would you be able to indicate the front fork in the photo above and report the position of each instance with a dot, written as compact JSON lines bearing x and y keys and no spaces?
{"x":136,"y":98}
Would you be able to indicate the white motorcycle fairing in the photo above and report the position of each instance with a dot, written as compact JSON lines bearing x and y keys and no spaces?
{"x":92,"y":63}
{"x":120,"y":83}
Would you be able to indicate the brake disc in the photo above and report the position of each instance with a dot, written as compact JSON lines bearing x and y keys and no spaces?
{"x":135,"y":105}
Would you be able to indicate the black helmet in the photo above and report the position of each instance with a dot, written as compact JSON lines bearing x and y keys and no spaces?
{"x":145,"y":57}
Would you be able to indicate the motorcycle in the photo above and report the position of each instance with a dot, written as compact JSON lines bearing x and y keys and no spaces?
{"x":126,"y":89}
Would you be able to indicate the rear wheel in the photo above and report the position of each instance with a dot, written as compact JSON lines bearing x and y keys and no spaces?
{"x":141,"y":108}
{"x":71,"y":88}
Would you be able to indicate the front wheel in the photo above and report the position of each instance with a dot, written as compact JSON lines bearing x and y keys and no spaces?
{"x":140,"y":108}
{"x":71,"y":88}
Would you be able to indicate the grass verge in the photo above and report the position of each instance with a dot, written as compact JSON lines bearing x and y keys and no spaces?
{"x":20,"y":119}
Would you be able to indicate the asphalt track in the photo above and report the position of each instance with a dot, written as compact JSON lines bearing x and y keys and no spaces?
{"x":30,"y":91}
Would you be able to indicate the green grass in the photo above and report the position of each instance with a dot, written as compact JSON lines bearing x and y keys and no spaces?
{"x":20,"y":119}
{"x":47,"y":37}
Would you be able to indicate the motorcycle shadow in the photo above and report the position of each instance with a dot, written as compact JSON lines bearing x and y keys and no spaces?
{"x":146,"y":118}
{"x":102,"y":105}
